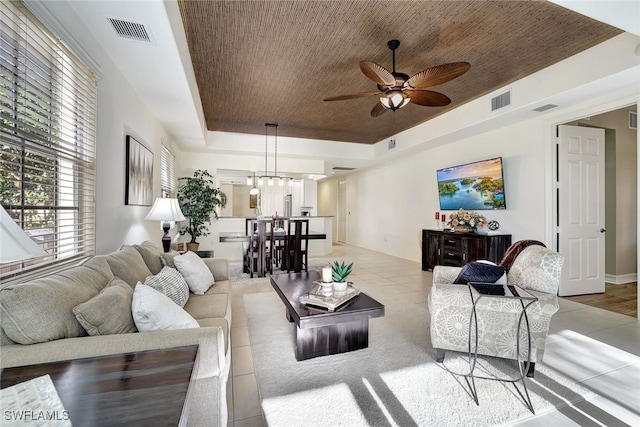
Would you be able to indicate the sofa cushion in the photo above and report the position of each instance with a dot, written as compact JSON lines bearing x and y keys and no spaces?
{"x":152,"y":255}
{"x":128,"y":264}
{"x":195,"y":272}
{"x":42,"y":309}
{"x":109,"y":312}
{"x":171,"y":283}
{"x":153,"y":311}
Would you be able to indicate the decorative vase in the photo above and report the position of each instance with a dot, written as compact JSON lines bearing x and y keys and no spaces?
{"x":193,"y":247}
{"x":339,"y":286}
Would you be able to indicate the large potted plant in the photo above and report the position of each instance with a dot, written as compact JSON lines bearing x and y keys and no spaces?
{"x":198,"y":198}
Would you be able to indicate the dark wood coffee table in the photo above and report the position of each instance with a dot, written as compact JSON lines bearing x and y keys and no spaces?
{"x":320,"y":332}
{"x":140,"y":388}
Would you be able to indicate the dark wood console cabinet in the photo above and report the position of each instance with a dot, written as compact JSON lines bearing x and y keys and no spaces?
{"x":456,"y":249}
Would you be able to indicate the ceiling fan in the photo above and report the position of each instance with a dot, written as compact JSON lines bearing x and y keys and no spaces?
{"x":398,"y":89}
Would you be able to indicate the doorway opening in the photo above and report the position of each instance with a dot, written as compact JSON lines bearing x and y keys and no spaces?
{"x":621,"y":206}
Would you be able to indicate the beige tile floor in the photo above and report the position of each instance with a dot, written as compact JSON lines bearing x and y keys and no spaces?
{"x":598,"y":347}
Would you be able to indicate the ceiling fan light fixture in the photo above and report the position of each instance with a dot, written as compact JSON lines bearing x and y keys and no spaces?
{"x":394,"y":99}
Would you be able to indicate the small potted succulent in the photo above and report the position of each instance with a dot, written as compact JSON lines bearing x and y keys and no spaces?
{"x":339,"y":274}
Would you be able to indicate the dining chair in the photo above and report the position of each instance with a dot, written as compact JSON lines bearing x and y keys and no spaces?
{"x":260,"y":253}
{"x":296,"y":243}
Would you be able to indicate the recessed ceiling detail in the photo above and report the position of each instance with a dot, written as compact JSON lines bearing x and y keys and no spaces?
{"x":260,"y":62}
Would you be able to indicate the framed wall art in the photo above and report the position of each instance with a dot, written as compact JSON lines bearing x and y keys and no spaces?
{"x":139,"y":174}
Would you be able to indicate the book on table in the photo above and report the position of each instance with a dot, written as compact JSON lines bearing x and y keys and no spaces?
{"x":329,"y":300}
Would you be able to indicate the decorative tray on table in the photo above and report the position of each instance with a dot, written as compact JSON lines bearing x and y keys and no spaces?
{"x":330,"y":300}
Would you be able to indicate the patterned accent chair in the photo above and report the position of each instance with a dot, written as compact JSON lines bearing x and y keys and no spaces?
{"x":536,"y":269}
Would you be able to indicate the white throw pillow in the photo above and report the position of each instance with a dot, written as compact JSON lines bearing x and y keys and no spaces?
{"x":171,"y":283}
{"x":195,"y":272}
{"x":153,"y":311}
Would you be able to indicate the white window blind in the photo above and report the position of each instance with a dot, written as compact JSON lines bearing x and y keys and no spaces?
{"x":47,"y":141}
{"x":167,"y":173}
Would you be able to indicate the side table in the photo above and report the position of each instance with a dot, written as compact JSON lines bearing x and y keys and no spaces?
{"x":478,"y":291}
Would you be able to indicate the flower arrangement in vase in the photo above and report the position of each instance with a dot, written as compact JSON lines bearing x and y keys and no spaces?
{"x":462,"y":220}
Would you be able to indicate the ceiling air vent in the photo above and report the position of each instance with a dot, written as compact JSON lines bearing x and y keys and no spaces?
{"x":342,"y":168}
{"x":633,"y":120}
{"x":544,"y":108}
{"x":501,"y":100}
{"x":130,"y":30}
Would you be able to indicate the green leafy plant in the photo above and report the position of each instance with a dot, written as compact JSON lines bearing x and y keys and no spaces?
{"x":198,"y":199}
{"x":339,"y":272}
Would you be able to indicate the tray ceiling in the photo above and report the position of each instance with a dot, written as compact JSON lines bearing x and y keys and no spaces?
{"x":260,"y":62}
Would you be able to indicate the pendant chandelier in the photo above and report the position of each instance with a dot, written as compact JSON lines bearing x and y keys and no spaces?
{"x":267,"y":178}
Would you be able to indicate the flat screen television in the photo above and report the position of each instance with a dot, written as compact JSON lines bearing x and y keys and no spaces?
{"x":472,"y":186}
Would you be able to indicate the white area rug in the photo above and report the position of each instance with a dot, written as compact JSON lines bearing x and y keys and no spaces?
{"x":395,"y":382}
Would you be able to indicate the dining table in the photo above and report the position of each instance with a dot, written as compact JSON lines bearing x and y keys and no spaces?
{"x":279,"y":235}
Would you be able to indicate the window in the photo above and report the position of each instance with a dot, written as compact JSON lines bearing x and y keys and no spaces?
{"x":167,"y":173}
{"x":47,"y":141}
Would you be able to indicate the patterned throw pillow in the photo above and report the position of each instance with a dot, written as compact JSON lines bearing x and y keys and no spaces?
{"x":170,"y":283}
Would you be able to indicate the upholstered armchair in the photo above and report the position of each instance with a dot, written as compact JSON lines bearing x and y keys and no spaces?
{"x":535,"y":269}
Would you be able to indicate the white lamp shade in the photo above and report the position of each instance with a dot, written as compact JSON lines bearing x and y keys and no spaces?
{"x":254,"y":191}
{"x":15,"y":244}
{"x":165,"y":209}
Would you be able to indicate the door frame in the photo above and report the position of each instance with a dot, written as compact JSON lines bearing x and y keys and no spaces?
{"x":551,"y":157}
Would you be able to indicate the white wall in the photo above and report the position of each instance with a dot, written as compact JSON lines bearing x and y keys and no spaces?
{"x":120,"y":112}
{"x":391,"y":203}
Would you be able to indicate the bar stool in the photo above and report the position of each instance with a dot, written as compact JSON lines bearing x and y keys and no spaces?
{"x":296,"y":243}
{"x":260,"y":253}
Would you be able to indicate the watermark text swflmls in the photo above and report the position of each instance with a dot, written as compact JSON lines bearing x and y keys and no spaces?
{"x":29,"y":415}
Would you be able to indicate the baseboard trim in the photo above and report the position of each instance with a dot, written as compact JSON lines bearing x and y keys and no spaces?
{"x":621,"y":279}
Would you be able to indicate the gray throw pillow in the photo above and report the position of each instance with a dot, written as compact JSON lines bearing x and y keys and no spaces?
{"x":128,"y":264}
{"x":170,"y":283}
{"x":41,"y":309}
{"x":152,"y":255}
{"x":168,"y":257}
{"x":109,"y":312}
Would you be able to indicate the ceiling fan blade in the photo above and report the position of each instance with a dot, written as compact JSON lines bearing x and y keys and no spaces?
{"x":378,"y":109}
{"x":428,"y":98}
{"x":351,"y":96}
{"x":437,"y":75}
{"x":377,"y":73}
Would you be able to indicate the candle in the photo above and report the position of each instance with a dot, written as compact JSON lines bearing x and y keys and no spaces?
{"x":326,"y":274}
{"x":444,"y":217}
{"x":437,"y":216}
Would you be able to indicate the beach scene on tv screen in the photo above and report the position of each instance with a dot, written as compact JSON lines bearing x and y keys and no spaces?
{"x":472,"y":186}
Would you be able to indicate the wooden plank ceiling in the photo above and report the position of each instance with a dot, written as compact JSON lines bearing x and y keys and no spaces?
{"x":260,"y":62}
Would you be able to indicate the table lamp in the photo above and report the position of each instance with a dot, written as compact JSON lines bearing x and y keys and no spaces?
{"x":15,"y":244}
{"x":165,"y":210}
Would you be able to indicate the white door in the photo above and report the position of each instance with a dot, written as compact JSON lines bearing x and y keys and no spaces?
{"x":342,"y":211}
{"x":581,"y":209}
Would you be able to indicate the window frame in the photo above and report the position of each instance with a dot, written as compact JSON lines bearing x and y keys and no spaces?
{"x":48,"y":104}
